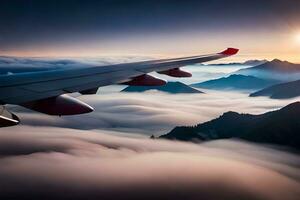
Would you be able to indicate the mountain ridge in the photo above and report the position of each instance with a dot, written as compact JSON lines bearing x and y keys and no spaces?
{"x":247,"y":62}
{"x":171,"y":87}
{"x":277,"y":65}
{"x":236,"y":82}
{"x":275,"y":69}
{"x":279,"y":127}
{"x":280,"y":91}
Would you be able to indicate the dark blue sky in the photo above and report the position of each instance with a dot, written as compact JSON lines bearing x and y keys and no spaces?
{"x":34,"y":24}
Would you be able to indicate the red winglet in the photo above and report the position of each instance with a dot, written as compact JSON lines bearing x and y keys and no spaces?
{"x":229,"y":51}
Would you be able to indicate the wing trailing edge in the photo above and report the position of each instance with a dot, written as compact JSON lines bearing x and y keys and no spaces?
{"x":176,"y":72}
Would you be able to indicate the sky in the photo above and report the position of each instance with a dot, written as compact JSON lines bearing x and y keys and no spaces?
{"x":261,"y":29}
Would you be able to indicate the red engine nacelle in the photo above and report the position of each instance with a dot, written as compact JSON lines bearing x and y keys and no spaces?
{"x":60,"y":105}
{"x":176,"y":72}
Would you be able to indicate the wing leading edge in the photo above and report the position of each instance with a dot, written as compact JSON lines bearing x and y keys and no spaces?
{"x":24,"y":87}
{"x":32,"y":88}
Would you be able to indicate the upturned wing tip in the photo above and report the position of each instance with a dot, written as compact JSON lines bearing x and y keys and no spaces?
{"x":230,"y":51}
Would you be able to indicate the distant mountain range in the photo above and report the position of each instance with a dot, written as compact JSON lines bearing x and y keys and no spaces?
{"x":280,"y":91}
{"x":248,"y":63}
{"x":255,"y":78}
{"x":170,"y":87}
{"x":280,"y":127}
{"x":236,"y":82}
{"x":276,"y":69}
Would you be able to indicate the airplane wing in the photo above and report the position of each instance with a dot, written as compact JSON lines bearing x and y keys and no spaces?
{"x":43,"y":90}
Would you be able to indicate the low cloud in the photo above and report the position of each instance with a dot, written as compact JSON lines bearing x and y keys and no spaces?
{"x":60,"y":163}
{"x":153,"y":112}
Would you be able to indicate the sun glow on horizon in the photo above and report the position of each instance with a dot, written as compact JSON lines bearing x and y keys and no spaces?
{"x":257,"y":45}
{"x":297,"y":38}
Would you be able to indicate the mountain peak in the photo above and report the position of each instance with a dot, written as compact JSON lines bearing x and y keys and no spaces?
{"x":292,"y":107}
{"x":171,"y":87}
{"x":240,"y":76}
{"x":275,"y":69}
{"x":254,"y":62}
{"x":277,"y":61}
{"x":236,"y":82}
{"x":280,"y":91}
{"x":236,"y":76}
{"x":230,"y":114}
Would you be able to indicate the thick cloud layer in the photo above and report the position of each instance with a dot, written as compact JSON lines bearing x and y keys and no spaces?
{"x":153,"y":112}
{"x":42,"y":163}
{"x":114,"y":161}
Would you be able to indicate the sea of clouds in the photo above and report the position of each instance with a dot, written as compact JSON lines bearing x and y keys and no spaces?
{"x":62,"y":163}
{"x":152,"y":112}
{"x":107,"y":154}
